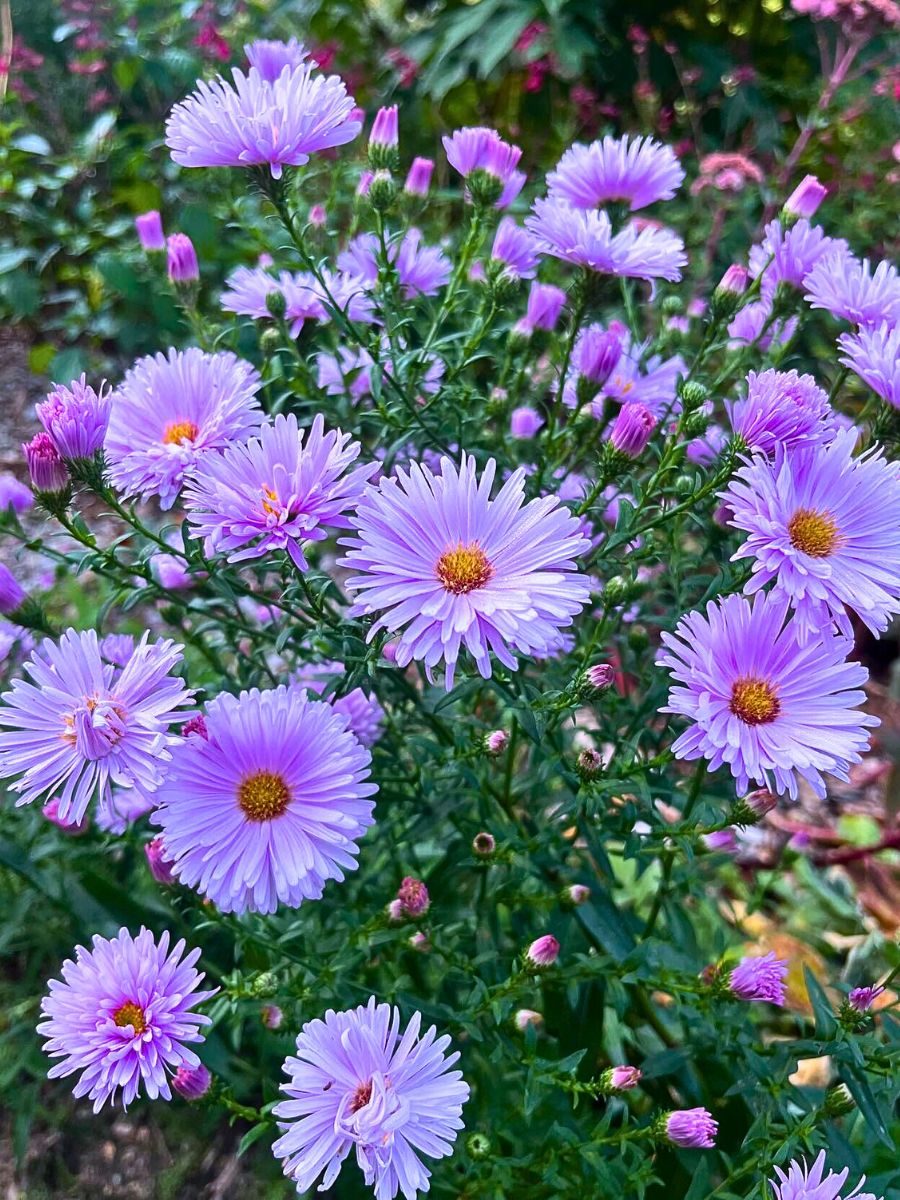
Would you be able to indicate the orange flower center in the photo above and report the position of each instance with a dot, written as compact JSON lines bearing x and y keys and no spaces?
{"x":463,"y":569}
{"x":131,"y":1014}
{"x":361,"y":1096}
{"x":754,"y":701}
{"x":813,"y":533}
{"x":177,"y":432}
{"x":263,"y":796}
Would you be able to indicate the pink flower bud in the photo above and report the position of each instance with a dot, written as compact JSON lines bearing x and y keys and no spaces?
{"x":182,"y":259}
{"x":413,"y":897}
{"x":149,"y":228}
{"x":862,"y":998}
{"x":395,"y":910}
{"x":192,"y":1082}
{"x":527,"y":1018}
{"x":692,"y":1128}
{"x":805,"y":199}
{"x":160,"y":867}
{"x":318,"y":216}
{"x":578,"y":893}
{"x":632,"y":429}
{"x":420,"y":942}
{"x":495,"y":743}
{"x":45,"y":466}
{"x":51,"y":812}
{"x":734,"y":281}
{"x":721,"y":839}
{"x":271,"y":1016}
{"x":761,"y":802}
{"x":385,"y":128}
{"x":418,"y":181}
{"x":543,"y":951}
{"x":622,"y":1079}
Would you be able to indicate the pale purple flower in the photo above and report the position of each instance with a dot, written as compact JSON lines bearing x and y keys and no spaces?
{"x":181,"y":260}
{"x":527,"y":1018}
{"x":269,"y":805}
{"x":192,"y":1082}
{"x":14,"y":494}
{"x":172,"y":570}
{"x":760,"y":978}
{"x":357,"y":1084}
{"x":639,"y":378}
{"x":169,"y":411}
{"x":122,"y":1017}
{"x":479,"y":151}
{"x":636,"y":171}
{"x":365,"y":182}
{"x":585,"y":237}
{"x":14,"y":641}
{"x":805,"y":199}
{"x":270,"y":58}
{"x":346,"y":292}
{"x":258,"y":121}
{"x":543,"y":951}
{"x":691,"y":1128}
{"x":121,"y":808}
{"x":874,"y":354}
{"x":524,"y":422}
{"x":81,"y":724}
{"x":149,"y":228}
{"x":761,"y":700}
{"x":734,"y":281}
{"x":46,"y":468}
{"x":12,"y":594}
{"x":596,"y":354}
{"x":781,"y":409}
{"x":76,"y":417}
{"x":849,"y":289}
{"x":418,"y":181}
{"x":632,"y":429}
{"x":346,"y":373}
{"x":801,"y":1182}
{"x":282,"y":488}
{"x":722,"y":840}
{"x":385,"y":129}
{"x":515,"y":249}
{"x":117,"y":648}
{"x":746,"y":328}
{"x":788,"y":256}
{"x":422,"y":270}
{"x":160,"y":867}
{"x":271,"y":1016}
{"x":496,"y":742}
{"x":449,"y":568}
{"x":247,"y":292}
{"x":862,"y":998}
{"x":362,"y":709}
{"x":623,"y":1079}
{"x":822,"y":527}
{"x":542,"y":310}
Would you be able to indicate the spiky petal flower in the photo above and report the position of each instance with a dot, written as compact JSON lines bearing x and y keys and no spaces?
{"x":276,"y":491}
{"x":862,"y":998}
{"x":636,"y":171}
{"x":81,"y":724}
{"x":801,"y":1182}
{"x":122,"y":1017}
{"x":248,"y":292}
{"x":585,"y":238}
{"x":76,"y":418}
{"x":515,"y":250}
{"x":270,"y":58}
{"x":487,"y":163}
{"x":451,"y":568}
{"x":822,"y":524}
{"x":848,"y":288}
{"x":421,"y":270}
{"x":259,"y":121}
{"x":759,"y":978}
{"x":781,"y":409}
{"x":362,"y":709}
{"x":691,"y":1128}
{"x":874,"y":354}
{"x":761,"y":700}
{"x":786,"y":256}
{"x":356,"y":1083}
{"x":269,"y":805}
{"x":172,"y":409}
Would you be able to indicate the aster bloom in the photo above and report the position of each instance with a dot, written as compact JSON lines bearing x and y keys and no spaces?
{"x":421,"y":270}
{"x":418,"y":181}
{"x":487,"y":163}
{"x":45,"y":465}
{"x":260,"y":121}
{"x":781,"y":409}
{"x":524,"y":422}
{"x":495,"y":742}
{"x":585,"y":238}
{"x":822,"y":526}
{"x":862,"y":998}
{"x":801,"y":1182}
{"x":805,"y":199}
{"x":751,"y":324}
{"x":149,"y":228}
{"x":787,"y":256}
{"x":543,"y":951}
{"x":362,"y":709}
{"x":451,"y":568}
{"x":12,"y":595}
{"x":759,"y":978}
{"x":169,"y":411}
{"x":636,"y":171}
{"x":346,"y":373}
{"x":874,"y":354}
{"x":276,"y":491}
{"x":357,"y":1083}
{"x":691,"y":1128}
{"x":514,"y":250}
{"x":849,"y":289}
{"x":81,"y":724}
{"x":122,"y":1017}
{"x":14,"y":494}
{"x":762,"y":700}
{"x":632,"y":429}
{"x":545,"y":303}
{"x":270,"y":58}
{"x":640,"y":379}
{"x":181,"y":261}
{"x":76,"y":418}
{"x":267,"y":806}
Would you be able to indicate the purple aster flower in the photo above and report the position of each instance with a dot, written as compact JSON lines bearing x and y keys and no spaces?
{"x":348,"y":293}
{"x":585,"y":237}
{"x":121,"y":808}
{"x":362,"y":709}
{"x":641,"y":379}
{"x":822,"y":524}
{"x":182,"y":263}
{"x":596,"y":354}
{"x":357,"y":1083}
{"x":122,"y":1017}
{"x":542,"y":310}
{"x":809,"y":1183}
{"x":422,"y":270}
{"x":848,"y":288}
{"x":418,"y":181}
{"x":46,"y":468}
{"x":269,"y":805}
{"x":346,"y":373}
{"x":749,"y":322}
{"x":636,"y":171}
{"x":862,"y":998}
{"x":874,"y":354}
{"x":81,"y":724}
{"x":632,"y":429}
{"x":14,"y":640}
{"x":691,"y":1128}
{"x":763,"y":701}
{"x":276,"y":491}
{"x":12,"y":595}
{"x":514,"y":248}
{"x":248,"y":290}
{"x":759,"y":978}
{"x":76,"y":418}
{"x":805,"y":199}
{"x":171,"y":410}
{"x":14,"y":494}
{"x":258,"y":121}
{"x":781,"y":409}
{"x":524,"y":422}
{"x":451,"y":568}
{"x":787,"y":256}
{"x":722,"y":840}
{"x":270,"y":58}
{"x":149,"y":228}
{"x":172,"y":570}
{"x":487,"y":163}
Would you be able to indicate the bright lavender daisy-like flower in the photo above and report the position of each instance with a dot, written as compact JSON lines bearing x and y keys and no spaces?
{"x":545,"y":303}
{"x":270,"y":58}
{"x":276,"y":491}
{"x":585,"y":238}
{"x":260,"y":121}
{"x":421,"y":270}
{"x":781,"y":409}
{"x":810,"y":1183}
{"x":450,"y":568}
{"x":122,"y":1017}
{"x":357,"y":1083}
{"x":269,"y":805}
{"x":759,"y":978}
{"x":14,"y":494}
{"x":76,"y":418}
{"x":874,"y":354}
{"x":362,"y":709}
{"x":349,"y":372}
{"x":247,"y":292}
{"x":171,"y":410}
{"x":81,"y":724}
{"x":848,"y":288}
{"x":822,"y":524}
{"x":515,"y":250}
{"x":750,"y":321}
{"x":636,"y":171}
{"x":763,"y":701}
{"x":487,"y":163}
{"x":787,"y":256}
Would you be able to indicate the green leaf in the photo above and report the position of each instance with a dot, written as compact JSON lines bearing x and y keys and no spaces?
{"x":251,"y":1136}
{"x":826,"y":1025}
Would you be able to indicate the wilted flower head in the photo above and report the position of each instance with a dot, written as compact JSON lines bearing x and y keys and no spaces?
{"x":545,"y":303}
{"x":484,"y":844}
{"x":356,"y":1082}
{"x":149,"y":228}
{"x":781,"y":409}
{"x":122,"y":1017}
{"x":801,"y":1182}
{"x":76,"y":418}
{"x":726,"y":173}
{"x":182,"y":262}
{"x":692,"y":1128}
{"x":45,"y":465}
{"x":543,"y":951}
{"x":873,"y":352}
{"x":760,"y":978}
{"x":418,"y":181}
{"x":850,"y":289}
{"x":413,"y":897}
{"x":636,"y":171}
{"x":270,"y":58}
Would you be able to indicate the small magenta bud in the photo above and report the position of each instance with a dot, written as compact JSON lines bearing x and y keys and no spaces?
{"x":484,"y":845}
{"x":589,"y":763}
{"x":418,"y":181}
{"x":51,"y":812}
{"x":632,"y":429}
{"x":195,"y":725}
{"x":192,"y":1082}
{"x":395,"y":910}
{"x":734,"y":280}
{"x":545,"y":303}
{"x":160,"y":867}
{"x":721,"y":839}
{"x":271,"y":1016}
{"x":182,"y":259}
{"x":623,"y":1079}
{"x":578,"y":893}
{"x":419,"y":941}
{"x":45,"y":466}
{"x":384,"y":138}
{"x":691,"y":1128}
{"x":527,"y":1018}
{"x":804,"y":200}
{"x":495,"y":743}
{"x":413,"y":897}
{"x":726,"y":298}
{"x":524,"y":422}
{"x":149,"y":228}
{"x":759,"y":978}
{"x":861,"y":999}
{"x":318,"y":216}
{"x":12,"y":594}
{"x":365,"y":182}
{"x":543,"y":951}
{"x":595,"y":680}
{"x":761,"y":802}
{"x":598,"y":354}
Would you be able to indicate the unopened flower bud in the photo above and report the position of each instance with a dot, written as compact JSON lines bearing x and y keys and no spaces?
{"x":589,"y":763}
{"x":621,"y":1079}
{"x":722,"y":840}
{"x":617,"y":590}
{"x":596,"y":679}
{"x":726,"y":298}
{"x":264,"y":984}
{"x":419,"y":941}
{"x":12,"y":594}
{"x":318,"y":216}
{"x":695,"y":424}
{"x":418,"y":181}
{"x":478,"y":1145}
{"x":753,"y":807}
{"x":543,"y":951}
{"x":160,"y":867}
{"x":192,"y":1082}
{"x":527,"y":1018}
{"x":803,"y":201}
{"x":75,"y":828}
{"x":691,"y":1128}
{"x":382,"y":191}
{"x":48,"y":472}
{"x":271,"y":1016}
{"x":861,"y":999}
{"x":692,"y":395}
{"x":149,"y":228}
{"x":838,"y":1101}
{"x":485,"y":188}
{"x":365,"y":182}
{"x":276,"y":303}
{"x":496,"y":742}
{"x":577,"y":894}
{"x":484,"y":845}
{"x":672,"y":306}
{"x":632,"y":429}
{"x":413,"y":897}
{"x":395,"y":910}
{"x":182,"y":261}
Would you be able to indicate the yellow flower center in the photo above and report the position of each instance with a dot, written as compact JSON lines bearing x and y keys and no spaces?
{"x":813,"y":533}
{"x":754,"y":701}
{"x":131,"y":1014}
{"x":271,"y":504}
{"x":361,"y":1096}
{"x":263,"y":796}
{"x":177,"y":432}
{"x":463,"y":569}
